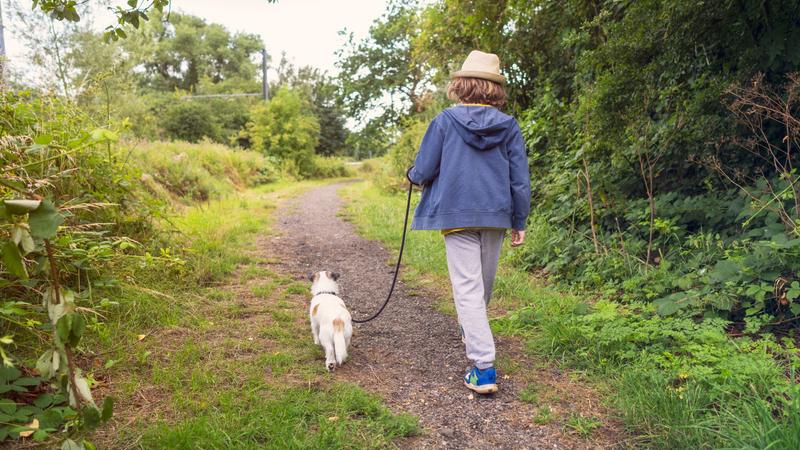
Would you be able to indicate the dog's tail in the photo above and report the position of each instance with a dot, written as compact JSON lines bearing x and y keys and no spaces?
{"x":339,"y":344}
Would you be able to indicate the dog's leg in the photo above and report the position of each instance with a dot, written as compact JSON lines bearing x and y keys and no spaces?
{"x":330,"y":355}
{"x":315,"y":330}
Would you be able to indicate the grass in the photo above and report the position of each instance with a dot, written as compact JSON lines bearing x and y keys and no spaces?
{"x":674,"y":382}
{"x":227,"y":360}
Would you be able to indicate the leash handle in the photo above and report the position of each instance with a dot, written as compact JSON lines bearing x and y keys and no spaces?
{"x":399,"y":258}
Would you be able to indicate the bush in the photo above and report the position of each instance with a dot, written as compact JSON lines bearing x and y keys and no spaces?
{"x":190,"y":120}
{"x":287,"y":130}
{"x":329,"y":167}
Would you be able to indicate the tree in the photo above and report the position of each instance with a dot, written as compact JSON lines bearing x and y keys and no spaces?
{"x":286,"y":129}
{"x":323,"y":94}
{"x":383,"y":72}
{"x":186,"y":51}
{"x":133,"y":15}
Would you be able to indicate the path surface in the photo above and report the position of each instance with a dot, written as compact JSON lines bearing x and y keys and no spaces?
{"x":411,"y":355}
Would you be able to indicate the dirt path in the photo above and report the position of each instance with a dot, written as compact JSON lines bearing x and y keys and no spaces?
{"x":411,"y":355}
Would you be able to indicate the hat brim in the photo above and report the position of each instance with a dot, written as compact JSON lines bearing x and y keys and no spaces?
{"x":496,"y":77}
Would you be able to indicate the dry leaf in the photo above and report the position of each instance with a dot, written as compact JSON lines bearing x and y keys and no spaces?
{"x":333,"y":418}
{"x":141,"y":336}
{"x":505,"y":377}
{"x":471,"y":397}
{"x":33,"y":425}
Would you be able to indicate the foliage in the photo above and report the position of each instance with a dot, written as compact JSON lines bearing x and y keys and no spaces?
{"x":179,"y":54}
{"x":329,"y":167}
{"x":74,"y":204}
{"x":189,"y":121}
{"x":133,"y":14}
{"x":51,"y":254}
{"x":199,"y":172}
{"x":286,"y":129}
{"x":323,"y":94}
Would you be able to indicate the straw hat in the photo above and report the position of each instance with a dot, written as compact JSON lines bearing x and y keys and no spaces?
{"x":481,"y":65}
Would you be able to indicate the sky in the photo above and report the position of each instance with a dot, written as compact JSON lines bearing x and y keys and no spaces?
{"x":307,"y":30}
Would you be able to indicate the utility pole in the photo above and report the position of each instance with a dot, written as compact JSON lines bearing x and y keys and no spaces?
{"x":264,"y":83}
{"x":2,"y":48}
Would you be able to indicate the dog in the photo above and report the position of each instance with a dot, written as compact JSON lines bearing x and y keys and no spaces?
{"x":331,"y":323}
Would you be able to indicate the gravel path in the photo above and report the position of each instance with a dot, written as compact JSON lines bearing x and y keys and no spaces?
{"x":411,"y":355}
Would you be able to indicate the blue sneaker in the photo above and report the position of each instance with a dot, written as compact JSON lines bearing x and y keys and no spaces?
{"x":481,"y":381}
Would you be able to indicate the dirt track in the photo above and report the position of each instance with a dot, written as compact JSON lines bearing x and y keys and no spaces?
{"x":411,"y":355}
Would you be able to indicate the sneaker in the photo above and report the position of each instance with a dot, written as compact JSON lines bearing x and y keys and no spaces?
{"x":481,"y":381}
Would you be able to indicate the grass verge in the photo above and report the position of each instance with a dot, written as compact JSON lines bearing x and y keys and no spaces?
{"x":216,"y":352}
{"x":676,"y":383}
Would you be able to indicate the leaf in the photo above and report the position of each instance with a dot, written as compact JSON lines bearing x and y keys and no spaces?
{"x":34,"y":425}
{"x":7,"y":406}
{"x":667,"y":306}
{"x":20,"y":207}
{"x":83,"y":389}
{"x":44,"y":221}
{"x":28,"y":381}
{"x":725,"y":270}
{"x":43,"y":139}
{"x":69,"y":444}
{"x":103,"y":135}
{"x":795,"y":308}
{"x":581,"y":309}
{"x":12,"y":259}
{"x":44,"y":400}
{"x":108,"y":409}
{"x":69,"y":329}
{"x":91,"y":417}
{"x":39,"y":435}
{"x":26,"y":242}
{"x":44,"y":364}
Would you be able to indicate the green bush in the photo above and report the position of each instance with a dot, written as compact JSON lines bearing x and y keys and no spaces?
{"x":191,"y":121}
{"x":329,"y":167}
{"x":287,"y":130}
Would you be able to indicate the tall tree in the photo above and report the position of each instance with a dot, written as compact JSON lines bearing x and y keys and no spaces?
{"x":383,"y":72}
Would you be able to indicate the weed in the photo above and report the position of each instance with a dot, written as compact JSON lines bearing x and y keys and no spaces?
{"x":543,"y":416}
{"x":583,"y":425}
{"x":530,"y":394}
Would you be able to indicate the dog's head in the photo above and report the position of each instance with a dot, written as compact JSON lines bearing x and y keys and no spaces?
{"x":324,"y":281}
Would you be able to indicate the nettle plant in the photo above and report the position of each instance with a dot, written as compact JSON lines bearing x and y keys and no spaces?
{"x":30,"y":251}
{"x":48,"y":250}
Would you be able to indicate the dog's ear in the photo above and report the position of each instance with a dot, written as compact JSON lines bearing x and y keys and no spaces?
{"x":335,"y":276}
{"x":311,"y":277}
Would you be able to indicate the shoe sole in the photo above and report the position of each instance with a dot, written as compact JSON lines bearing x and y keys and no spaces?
{"x":486,"y":389}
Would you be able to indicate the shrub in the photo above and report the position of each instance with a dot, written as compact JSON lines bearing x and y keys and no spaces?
{"x":329,"y":167}
{"x":287,"y":130}
{"x":190,"y":121}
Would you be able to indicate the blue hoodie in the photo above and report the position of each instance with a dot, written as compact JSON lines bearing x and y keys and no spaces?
{"x":473,"y":167}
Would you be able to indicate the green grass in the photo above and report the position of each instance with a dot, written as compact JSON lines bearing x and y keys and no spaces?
{"x":676,"y":383}
{"x":206,"y":376}
{"x":340,"y":416}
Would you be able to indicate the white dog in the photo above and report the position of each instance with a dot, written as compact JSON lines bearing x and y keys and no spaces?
{"x":330,"y":321}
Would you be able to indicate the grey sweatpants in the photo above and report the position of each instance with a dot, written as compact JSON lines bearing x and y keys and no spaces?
{"x":472,"y":262}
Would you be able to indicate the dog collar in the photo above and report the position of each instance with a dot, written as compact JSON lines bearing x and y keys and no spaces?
{"x":326,"y":292}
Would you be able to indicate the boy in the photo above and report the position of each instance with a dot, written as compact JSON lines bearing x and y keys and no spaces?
{"x":473,"y":167}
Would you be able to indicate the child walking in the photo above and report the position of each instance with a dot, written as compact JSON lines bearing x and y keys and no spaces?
{"x":473,"y":167}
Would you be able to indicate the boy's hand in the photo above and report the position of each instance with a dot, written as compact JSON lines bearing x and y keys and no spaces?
{"x":517,"y":237}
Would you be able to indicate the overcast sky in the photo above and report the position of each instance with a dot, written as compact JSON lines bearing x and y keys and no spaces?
{"x":307,"y":30}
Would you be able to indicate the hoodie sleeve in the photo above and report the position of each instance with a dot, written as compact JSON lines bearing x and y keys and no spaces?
{"x":520,"y":179}
{"x":426,"y":165}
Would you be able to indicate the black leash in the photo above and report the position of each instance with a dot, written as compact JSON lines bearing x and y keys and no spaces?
{"x":399,"y":258}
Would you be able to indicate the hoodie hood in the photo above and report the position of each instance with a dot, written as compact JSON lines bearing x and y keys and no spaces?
{"x":481,"y":127}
